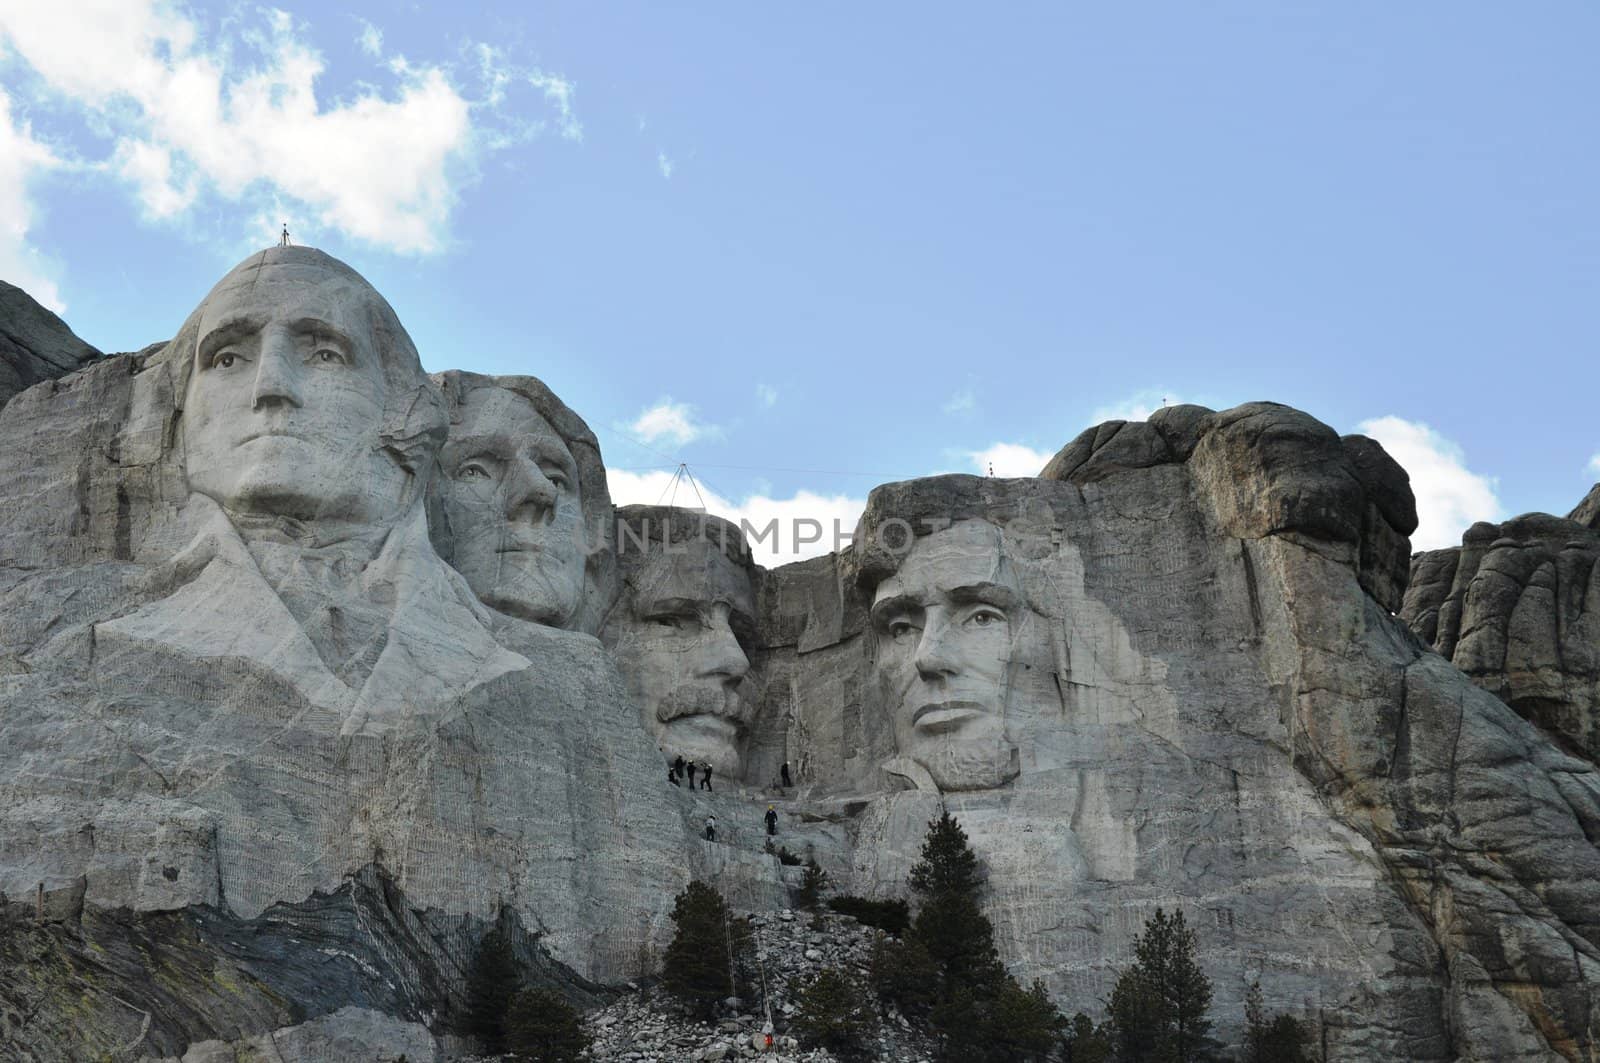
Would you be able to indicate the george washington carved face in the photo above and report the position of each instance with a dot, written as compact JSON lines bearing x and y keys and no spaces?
{"x":284,"y":411}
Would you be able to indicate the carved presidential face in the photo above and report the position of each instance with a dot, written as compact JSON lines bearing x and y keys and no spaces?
{"x":285,"y":401}
{"x":945,"y":627}
{"x":677,"y":641}
{"x":510,"y":493}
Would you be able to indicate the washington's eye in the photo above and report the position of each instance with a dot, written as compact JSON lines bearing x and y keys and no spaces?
{"x":557,"y":477}
{"x":670,"y":621}
{"x":224,"y":360}
{"x":472,"y":471}
{"x":985,"y":617}
{"x":899,"y":629}
{"x":328,"y":356}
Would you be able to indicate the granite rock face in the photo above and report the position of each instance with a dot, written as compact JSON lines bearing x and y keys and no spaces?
{"x":301,"y":692}
{"x":1203,"y":700}
{"x":235,"y":673}
{"x":1517,"y":608}
{"x":35,"y":344}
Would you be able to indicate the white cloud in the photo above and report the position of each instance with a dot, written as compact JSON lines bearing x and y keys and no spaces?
{"x":804,"y":515}
{"x":1594,"y":464}
{"x":22,"y":160}
{"x":1450,"y":496}
{"x":1136,"y":407}
{"x":767,"y":395}
{"x":674,"y":421}
{"x":239,"y":118}
{"x":961,"y":402}
{"x":371,"y":39}
{"x":665,"y":165}
{"x":1009,"y":460}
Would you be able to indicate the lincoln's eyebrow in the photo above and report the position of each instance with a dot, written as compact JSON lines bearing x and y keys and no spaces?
{"x":995,"y":594}
{"x":228,"y":330}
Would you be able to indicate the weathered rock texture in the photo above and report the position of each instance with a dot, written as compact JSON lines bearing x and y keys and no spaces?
{"x":35,"y":344}
{"x":1517,"y":608}
{"x":1231,"y":720}
{"x":271,"y":767}
{"x":178,"y":740}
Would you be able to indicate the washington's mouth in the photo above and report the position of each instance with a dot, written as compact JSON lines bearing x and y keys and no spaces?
{"x":940,"y":716}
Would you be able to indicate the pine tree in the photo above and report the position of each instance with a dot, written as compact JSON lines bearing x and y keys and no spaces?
{"x":979,"y":1012}
{"x":491,"y":981}
{"x":1084,"y":1042}
{"x":698,"y":971}
{"x":948,"y":864}
{"x":1280,"y":1039}
{"x":1023,"y":1024}
{"x":834,"y":1014}
{"x":543,"y":1028}
{"x":1158,"y":1006}
{"x":904,"y":974}
{"x":811,"y":887}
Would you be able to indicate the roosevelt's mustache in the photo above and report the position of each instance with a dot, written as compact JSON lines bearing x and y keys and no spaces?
{"x":710,"y":697}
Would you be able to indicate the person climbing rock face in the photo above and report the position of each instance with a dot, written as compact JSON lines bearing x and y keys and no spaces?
{"x":944,"y":627}
{"x":679,"y":630}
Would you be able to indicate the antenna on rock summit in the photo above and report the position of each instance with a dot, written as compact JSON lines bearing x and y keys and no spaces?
{"x":284,"y":241}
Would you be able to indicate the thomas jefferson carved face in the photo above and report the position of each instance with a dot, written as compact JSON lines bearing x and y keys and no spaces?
{"x":286,"y":400}
{"x":677,"y":643}
{"x":945,"y":625}
{"x":511,"y":495}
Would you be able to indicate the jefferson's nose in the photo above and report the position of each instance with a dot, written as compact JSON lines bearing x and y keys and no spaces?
{"x":277,"y":380}
{"x":935,"y":658}
{"x":530,"y":496}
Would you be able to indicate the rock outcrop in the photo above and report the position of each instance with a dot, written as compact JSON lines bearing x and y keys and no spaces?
{"x":35,"y":344}
{"x":1517,"y":608}
{"x":273,"y":766}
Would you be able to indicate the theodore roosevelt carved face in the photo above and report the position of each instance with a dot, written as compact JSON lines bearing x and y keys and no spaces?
{"x":945,"y":626}
{"x":679,"y":632}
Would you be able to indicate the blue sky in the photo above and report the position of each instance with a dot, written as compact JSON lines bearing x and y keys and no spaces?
{"x":808,"y":248}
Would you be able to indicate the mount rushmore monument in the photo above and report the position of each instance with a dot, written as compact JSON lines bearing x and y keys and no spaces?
{"x":314,"y":668}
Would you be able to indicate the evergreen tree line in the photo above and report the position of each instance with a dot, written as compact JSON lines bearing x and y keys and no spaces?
{"x":527,"y":1023}
{"x":944,"y":973}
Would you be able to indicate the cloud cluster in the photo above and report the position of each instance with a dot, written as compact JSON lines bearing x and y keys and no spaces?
{"x":244,"y":117}
{"x":1450,"y":497}
{"x":1008,"y":460}
{"x":793,"y":521}
{"x":22,"y":161}
{"x":671,"y":421}
{"x":1594,"y":464}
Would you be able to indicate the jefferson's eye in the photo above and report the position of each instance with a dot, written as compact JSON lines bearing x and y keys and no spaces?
{"x":557,"y":477}
{"x":328,"y":356}
{"x":670,"y":621}
{"x":985,"y":617}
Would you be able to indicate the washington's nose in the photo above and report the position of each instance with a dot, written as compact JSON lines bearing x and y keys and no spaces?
{"x":724,"y":657}
{"x":277,"y":374}
{"x":530,"y":496}
{"x":934,"y":659}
